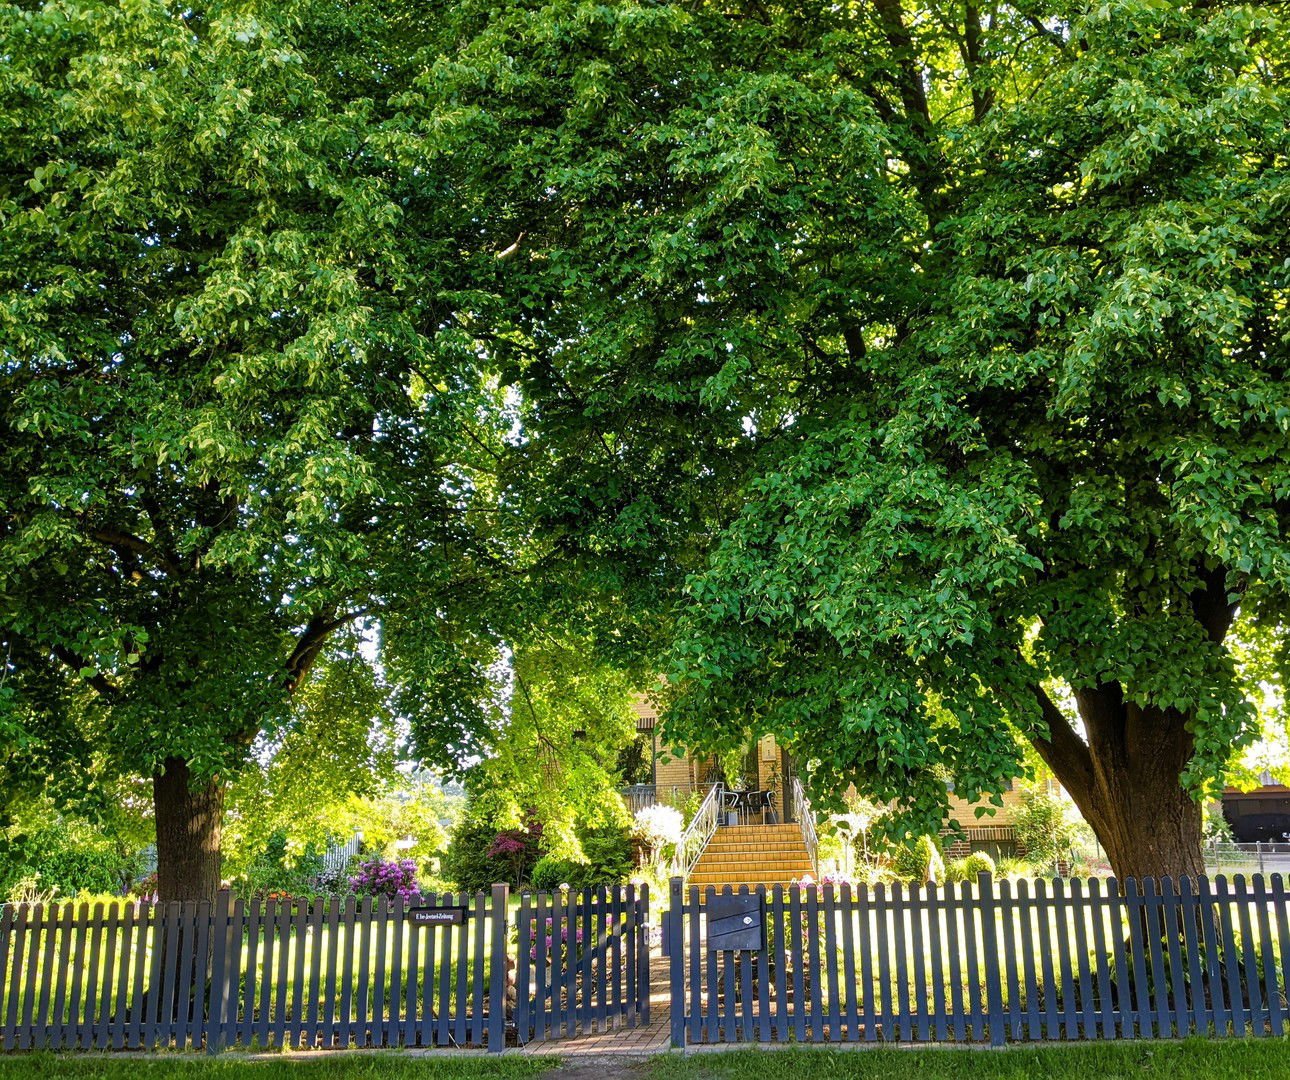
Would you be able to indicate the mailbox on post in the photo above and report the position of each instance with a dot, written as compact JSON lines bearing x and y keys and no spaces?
{"x":736,"y":923}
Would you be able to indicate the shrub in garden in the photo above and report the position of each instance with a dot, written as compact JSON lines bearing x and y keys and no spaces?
{"x":396,"y":878}
{"x":658,"y":828}
{"x":1012,"y":869}
{"x":979,"y":862}
{"x":145,"y":888}
{"x":480,"y":855}
{"x":607,"y":858}
{"x":1044,"y":825}
{"x":466,"y":862}
{"x":272,"y":871}
{"x":550,"y":873}
{"x":607,"y":861}
{"x":919,"y":860}
{"x":48,"y":855}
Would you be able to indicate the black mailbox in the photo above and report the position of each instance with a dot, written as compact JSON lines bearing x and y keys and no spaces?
{"x":736,"y":923}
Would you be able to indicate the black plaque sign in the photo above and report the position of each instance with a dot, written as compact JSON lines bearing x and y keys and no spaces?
{"x":736,"y":923}
{"x":436,"y":916}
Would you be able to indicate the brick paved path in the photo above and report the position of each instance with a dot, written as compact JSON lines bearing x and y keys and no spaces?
{"x":624,"y":1041}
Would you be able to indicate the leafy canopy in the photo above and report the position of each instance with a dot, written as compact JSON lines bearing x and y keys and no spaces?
{"x":932,"y":356}
{"x":237,"y":415}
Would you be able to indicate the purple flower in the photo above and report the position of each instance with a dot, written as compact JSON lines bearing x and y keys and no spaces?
{"x":397,"y":878}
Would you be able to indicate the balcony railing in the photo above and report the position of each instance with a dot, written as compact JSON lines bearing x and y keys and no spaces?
{"x":639,"y":796}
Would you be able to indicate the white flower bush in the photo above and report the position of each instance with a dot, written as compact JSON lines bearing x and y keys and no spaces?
{"x":658,"y":827}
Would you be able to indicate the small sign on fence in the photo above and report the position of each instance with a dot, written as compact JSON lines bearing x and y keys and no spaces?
{"x":436,"y":916}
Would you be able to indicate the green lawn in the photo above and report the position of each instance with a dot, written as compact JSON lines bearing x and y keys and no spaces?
{"x":1228,"y":1059}
{"x":374,"y":1066}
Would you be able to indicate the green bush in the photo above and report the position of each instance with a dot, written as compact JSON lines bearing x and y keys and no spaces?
{"x":269,"y":872}
{"x":955,"y":870}
{"x":53,"y":855}
{"x":608,"y":860}
{"x":1016,"y":868}
{"x":550,"y":873}
{"x":979,"y":862}
{"x":1044,"y":826}
{"x":609,"y":857}
{"x":467,"y":863}
{"x":919,"y":860}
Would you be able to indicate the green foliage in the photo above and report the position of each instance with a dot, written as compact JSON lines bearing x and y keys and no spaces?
{"x":466,"y":862}
{"x":1216,"y":828}
{"x":608,"y":862}
{"x":978,"y":862}
{"x":919,"y":860}
{"x":609,"y":857}
{"x":1044,"y":825}
{"x":44,"y":851}
{"x":557,"y":745}
{"x":1014,"y":869}
{"x":274,"y":870}
{"x":550,"y":873}
{"x":234,"y":395}
{"x":935,"y":362}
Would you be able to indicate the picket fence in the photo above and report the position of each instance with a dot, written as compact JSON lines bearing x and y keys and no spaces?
{"x":983,"y":963}
{"x":329,"y":972}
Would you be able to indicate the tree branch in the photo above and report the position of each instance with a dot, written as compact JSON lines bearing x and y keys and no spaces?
{"x":98,"y":680}
{"x":120,"y":542}
{"x":312,"y":639}
{"x":1063,"y":751}
{"x":1211,"y":605}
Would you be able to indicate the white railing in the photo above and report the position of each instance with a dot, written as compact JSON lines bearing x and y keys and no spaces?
{"x":697,"y":833}
{"x":806,"y":820}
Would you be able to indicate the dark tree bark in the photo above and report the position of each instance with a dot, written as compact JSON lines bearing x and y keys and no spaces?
{"x":1126,"y":781}
{"x":188,"y":819}
{"x":1126,"y":774}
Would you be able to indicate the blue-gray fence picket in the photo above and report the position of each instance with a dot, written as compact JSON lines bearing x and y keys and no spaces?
{"x":327,"y":972}
{"x":1043,"y":961}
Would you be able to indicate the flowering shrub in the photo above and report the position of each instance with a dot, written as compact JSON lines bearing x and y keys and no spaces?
{"x":397,"y":878}
{"x":516,"y":848}
{"x":657,"y":827}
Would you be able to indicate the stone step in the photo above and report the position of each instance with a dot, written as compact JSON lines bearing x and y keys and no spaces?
{"x":787,"y":858}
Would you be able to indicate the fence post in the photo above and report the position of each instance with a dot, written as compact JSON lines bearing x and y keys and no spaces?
{"x":676,"y":957}
{"x":497,"y":973}
{"x":989,"y":941}
{"x":217,"y":1001}
{"x":642,"y":951}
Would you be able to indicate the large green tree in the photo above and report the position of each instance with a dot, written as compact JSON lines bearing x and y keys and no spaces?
{"x":237,"y":415}
{"x":931,"y":354}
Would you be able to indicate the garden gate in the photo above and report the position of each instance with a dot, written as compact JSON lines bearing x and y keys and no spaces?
{"x":983,"y":962}
{"x":323,"y":972}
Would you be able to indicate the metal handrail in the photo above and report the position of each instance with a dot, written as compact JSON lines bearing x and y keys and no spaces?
{"x":698,"y":833}
{"x":639,"y":796}
{"x":806,"y":819}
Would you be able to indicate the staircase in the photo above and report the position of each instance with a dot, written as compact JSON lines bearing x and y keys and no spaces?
{"x":752,"y":855}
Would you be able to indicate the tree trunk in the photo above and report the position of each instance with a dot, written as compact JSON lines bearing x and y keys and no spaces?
{"x":1126,"y":779}
{"x":188,"y":820}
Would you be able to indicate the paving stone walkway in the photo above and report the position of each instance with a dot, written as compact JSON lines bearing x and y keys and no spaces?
{"x":641,"y":1041}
